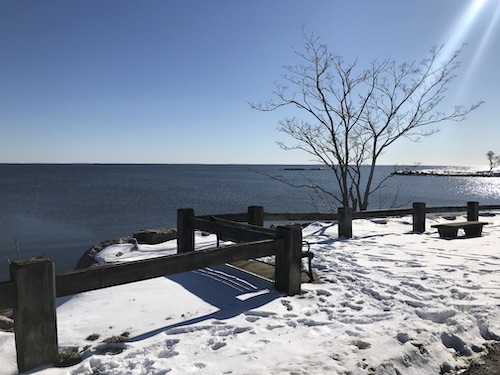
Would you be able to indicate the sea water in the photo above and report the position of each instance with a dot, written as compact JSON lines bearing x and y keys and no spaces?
{"x":60,"y":211}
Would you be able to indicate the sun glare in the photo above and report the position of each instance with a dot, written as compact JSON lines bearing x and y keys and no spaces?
{"x":463,"y":26}
{"x":461,"y":34}
{"x":484,"y":42}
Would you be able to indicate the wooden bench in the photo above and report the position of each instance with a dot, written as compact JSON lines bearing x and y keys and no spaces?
{"x":450,"y":230}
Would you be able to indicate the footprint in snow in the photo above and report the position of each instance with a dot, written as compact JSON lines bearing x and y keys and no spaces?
{"x":436,"y":316}
{"x":270,"y":327}
{"x":167,"y":353}
{"x":287,"y":304}
{"x":361,"y":345}
{"x":217,"y":345}
{"x":252,"y":319}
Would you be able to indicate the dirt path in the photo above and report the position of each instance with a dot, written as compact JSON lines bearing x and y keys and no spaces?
{"x":490,"y":364}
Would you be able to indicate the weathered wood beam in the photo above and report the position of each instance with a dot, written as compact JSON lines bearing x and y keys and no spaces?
{"x":117,"y":274}
{"x":232,"y":230}
{"x":35,"y":324}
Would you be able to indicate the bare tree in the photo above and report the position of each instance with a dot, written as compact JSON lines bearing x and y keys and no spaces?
{"x":353,"y":116}
{"x":493,"y":159}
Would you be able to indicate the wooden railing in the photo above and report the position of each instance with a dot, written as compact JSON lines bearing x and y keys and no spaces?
{"x":34,"y":286}
{"x":344,"y":216}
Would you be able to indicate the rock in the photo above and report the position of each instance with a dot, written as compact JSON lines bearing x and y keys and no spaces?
{"x":148,"y":236}
{"x":155,"y":236}
{"x":87,"y":259}
{"x":6,"y":324}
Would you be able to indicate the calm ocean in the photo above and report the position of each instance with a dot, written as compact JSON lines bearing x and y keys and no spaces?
{"x":60,"y":211}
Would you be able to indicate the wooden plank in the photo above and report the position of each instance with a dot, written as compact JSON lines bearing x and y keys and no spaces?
{"x":234,"y":231}
{"x":300,"y":216}
{"x":242,"y":217}
{"x":252,"y":227}
{"x":117,"y":274}
{"x":382,"y":213}
{"x":444,"y":209}
{"x":330,"y":216}
{"x":489,"y":207}
{"x":318,"y":216}
{"x":8,"y":297}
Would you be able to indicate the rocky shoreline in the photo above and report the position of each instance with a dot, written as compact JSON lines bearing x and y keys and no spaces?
{"x":148,"y":237}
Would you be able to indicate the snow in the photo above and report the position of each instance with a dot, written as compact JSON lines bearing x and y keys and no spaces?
{"x":388,"y":301}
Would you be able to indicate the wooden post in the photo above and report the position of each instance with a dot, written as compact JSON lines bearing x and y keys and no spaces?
{"x":345,"y":222}
{"x":472,"y":211}
{"x":185,"y":230}
{"x":256,"y":215}
{"x":35,"y":324}
{"x":288,"y":263}
{"x":419,"y":217}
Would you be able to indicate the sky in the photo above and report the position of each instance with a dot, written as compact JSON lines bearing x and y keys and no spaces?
{"x":164,"y":81}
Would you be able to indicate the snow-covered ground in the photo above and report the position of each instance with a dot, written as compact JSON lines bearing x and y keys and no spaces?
{"x":388,"y":302}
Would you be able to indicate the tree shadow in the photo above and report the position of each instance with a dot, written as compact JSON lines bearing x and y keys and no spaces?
{"x":227,"y":288}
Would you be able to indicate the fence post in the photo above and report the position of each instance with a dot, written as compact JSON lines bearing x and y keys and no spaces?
{"x":472,"y":211}
{"x":345,"y":222}
{"x":288,"y":263}
{"x":185,"y":230}
{"x":35,"y":324}
{"x":256,"y":215}
{"x":419,"y":217}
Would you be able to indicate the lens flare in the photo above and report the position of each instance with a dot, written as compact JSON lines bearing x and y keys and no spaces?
{"x":463,"y":26}
{"x":479,"y":52}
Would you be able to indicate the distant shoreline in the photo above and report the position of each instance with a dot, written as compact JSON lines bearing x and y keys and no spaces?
{"x":413,"y":172}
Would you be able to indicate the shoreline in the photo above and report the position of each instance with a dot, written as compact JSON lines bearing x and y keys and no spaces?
{"x":413,"y":172}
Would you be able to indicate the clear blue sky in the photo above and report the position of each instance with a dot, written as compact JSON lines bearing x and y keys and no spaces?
{"x":164,"y":81}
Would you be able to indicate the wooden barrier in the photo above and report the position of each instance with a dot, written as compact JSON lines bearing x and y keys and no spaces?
{"x":472,"y":211}
{"x":345,"y":217}
{"x":419,"y":217}
{"x":34,"y":286}
{"x":256,"y":215}
{"x":288,"y":263}
{"x":35,"y":313}
{"x":185,"y":230}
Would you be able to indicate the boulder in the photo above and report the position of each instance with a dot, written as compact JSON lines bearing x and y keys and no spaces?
{"x":87,"y":259}
{"x":6,"y":321}
{"x":155,"y":236}
{"x":148,"y":236}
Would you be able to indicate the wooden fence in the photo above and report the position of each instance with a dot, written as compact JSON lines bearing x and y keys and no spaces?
{"x":344,"y":216}
{"x":34,"y":286}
